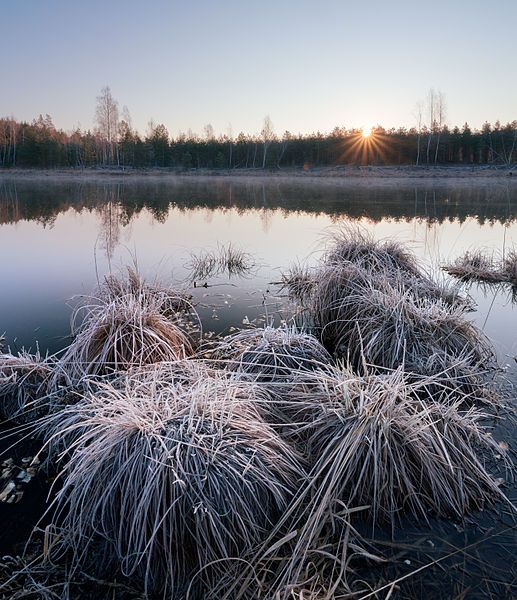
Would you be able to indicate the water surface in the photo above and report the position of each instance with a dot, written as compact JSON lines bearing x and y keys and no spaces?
{"x":57,"y":238}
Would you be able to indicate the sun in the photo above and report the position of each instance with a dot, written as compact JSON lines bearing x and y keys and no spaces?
{"x":366,"y":132}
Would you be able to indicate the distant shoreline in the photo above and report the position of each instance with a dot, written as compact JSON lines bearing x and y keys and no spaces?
{"x":353,"y":175}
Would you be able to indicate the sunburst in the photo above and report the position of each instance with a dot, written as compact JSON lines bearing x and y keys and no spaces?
{"x":365,"y":146}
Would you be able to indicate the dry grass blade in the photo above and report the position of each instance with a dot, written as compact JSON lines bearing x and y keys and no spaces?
{"x":34,"y":580}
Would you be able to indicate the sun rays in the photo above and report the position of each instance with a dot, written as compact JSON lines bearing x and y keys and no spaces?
{"x":365,"y":146}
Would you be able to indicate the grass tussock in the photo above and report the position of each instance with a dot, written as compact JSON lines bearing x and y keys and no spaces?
{"x":227,"y":259}
{"x":181,"y":481}
{"x":125,"y":324}
{"x":204,"y":482}
{"x":476,"y":266}
{"x":273,"y":358}
{"x":273,"y":353}
{"x":356,"y":246}
{"x":385,"y":442}
{"x":479,"y":266}
{"x":377,"y":321}
{"x":24,"y":382}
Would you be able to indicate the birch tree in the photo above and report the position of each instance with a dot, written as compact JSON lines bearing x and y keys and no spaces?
{"x":431,"y":108}
{"x":419,"y":114}
{"x":268,"y":135}
{"x":440,"y":116}
{"x":106,"y":118}
{"x":229,"y":132}
{"x":209,"y":132}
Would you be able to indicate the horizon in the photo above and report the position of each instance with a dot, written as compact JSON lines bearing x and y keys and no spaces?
{"x":223,"y":65}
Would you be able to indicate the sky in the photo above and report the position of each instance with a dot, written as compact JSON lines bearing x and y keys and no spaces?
{"x":310,"y":65}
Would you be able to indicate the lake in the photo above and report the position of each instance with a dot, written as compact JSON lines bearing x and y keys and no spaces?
{"x":59,"y":236}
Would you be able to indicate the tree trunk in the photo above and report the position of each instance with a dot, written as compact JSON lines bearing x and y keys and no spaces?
{"x":437,"y":147}
{"x":429,"y":146}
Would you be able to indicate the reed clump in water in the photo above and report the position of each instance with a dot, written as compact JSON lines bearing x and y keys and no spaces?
{"x":24,"y":382}
{"x":226,"y":259}
{"x":476,"y":266}
{"x":298,"y":282}
{"x":177,"y":479}
{"x":353,"y":245}
{"x":170,"y":302}
{"x":125,"y":324}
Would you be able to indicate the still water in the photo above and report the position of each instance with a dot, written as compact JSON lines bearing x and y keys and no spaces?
{"x":58,"y":237}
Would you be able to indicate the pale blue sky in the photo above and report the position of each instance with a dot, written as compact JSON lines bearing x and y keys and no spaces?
{"x":309,"y":65}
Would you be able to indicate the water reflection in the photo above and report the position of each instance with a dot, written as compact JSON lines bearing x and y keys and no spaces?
{"x":58,"y":234}
{"x":42,"y":202}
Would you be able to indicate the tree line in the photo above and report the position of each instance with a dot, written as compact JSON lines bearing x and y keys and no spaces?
{"x":115,"y":143}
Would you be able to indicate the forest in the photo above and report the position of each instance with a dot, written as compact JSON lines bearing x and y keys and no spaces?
{"x":113,"y":142}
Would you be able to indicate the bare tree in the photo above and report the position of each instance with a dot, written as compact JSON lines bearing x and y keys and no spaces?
{"x":286,"y":138}
{"x":8,"y":137}
{"x":436,"y":112}
{"x":209,"y":132}
{"x":431,"y":108}
{"x":268,"y":135}
{"x":229,"y":132}
{"x":512,"y":149}
{"x":441,"y":115}
{"x":126,"y":118}
{"x":419,"y":113}
{"x":106,"y":117}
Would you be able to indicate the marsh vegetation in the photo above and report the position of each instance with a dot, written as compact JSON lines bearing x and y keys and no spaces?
{"x":485,"y":267}
{"x":259,"y":464}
